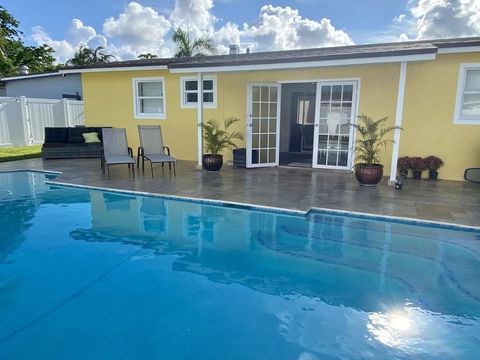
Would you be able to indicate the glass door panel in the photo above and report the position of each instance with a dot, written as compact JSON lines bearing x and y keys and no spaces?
{"x":262,"y":125}
{"x":333,"y":133}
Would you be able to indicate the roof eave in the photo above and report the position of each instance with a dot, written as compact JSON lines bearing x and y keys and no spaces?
{"x":306,"y":64}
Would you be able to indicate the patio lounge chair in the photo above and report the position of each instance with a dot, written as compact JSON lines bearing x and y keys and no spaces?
{"x":115,"y":150}
{"x":472,"y":174}
{"x":152,"y":148}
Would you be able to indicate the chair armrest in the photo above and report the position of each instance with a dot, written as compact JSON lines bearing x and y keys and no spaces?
{"x":168,"y":150}
{"x":140,"y":151}
{"x":130,"y":151}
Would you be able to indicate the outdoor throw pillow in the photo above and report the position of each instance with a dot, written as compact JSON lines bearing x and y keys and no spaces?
{"x":91,"y":137}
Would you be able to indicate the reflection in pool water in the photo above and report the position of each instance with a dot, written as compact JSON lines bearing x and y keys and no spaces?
{"x":92,"y":274}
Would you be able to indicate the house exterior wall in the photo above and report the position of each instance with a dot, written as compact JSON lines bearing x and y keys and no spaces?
{"x":48,"y":87}
{"x":430,"y":94}
{"x":427,"y":119}
{"x":109,"y":100}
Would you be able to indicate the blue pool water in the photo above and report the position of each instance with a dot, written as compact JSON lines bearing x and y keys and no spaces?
{"x":86,"y":274}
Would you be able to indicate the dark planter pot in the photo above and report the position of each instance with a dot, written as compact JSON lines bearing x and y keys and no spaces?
{"x":433,"y":175}
{"x":417,"y":174}
{"x":212,"y":162}
{"x":368,"y":175}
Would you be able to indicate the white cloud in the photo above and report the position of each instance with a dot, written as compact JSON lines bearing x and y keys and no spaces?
{"x":79,"y":33}
{"x":63,"y":49}
{"x":433,"y":19}
{"x":195,"y":15}
{"x":283,"y":28}
{"x":138,"y":30}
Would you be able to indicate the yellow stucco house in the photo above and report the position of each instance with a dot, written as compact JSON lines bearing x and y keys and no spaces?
{"x":296,"y":106}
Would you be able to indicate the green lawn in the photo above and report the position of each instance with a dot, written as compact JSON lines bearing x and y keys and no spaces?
{"x":19,"y":153}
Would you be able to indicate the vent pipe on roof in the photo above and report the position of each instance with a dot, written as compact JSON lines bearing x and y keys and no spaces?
{"x":248,"y":50}
{"x":234,"y":49}
{"x":23,"y":70}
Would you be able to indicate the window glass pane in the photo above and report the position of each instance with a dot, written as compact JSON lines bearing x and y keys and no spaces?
{"x":471,"y":104}
{"x":256,"y":93}
{"x":337,"y":92}
{"x":150,"y":88}
{"x":273,"y":109}
{"x":208,"y":97}
{"x":264,"y":93}
{"x":326,"y":93}
{"x":207,"y":84}
{"x":191,"y":97}
{"x":256,"y":109}
{"x":151,"y":106}
{"x":472,"y":81}
{"x":264,"y":126}
{"x":271,"y":156}
{"x":256,"y":125}
{"x":347,"y":92}
{"x":190,"y":85}
{"x":273,"y":94}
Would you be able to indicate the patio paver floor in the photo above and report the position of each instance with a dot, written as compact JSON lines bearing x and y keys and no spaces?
{"x":292,"y":188}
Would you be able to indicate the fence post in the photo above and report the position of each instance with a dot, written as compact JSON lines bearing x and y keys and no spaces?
{"x":27,"y":131}
{"x":66,"y":113}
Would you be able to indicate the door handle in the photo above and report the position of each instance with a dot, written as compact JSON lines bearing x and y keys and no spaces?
{"x":250,"y":124}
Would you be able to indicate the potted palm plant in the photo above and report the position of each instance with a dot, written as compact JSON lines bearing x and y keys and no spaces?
{"x":434,"y":163}
{"x":368,"y":147}
{"x":216,"y":140}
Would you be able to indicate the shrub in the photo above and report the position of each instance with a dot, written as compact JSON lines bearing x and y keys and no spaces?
{"x":434,"y":163}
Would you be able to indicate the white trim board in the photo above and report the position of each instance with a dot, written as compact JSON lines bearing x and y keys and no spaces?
{"x":457,"y":116}
{"x":120,"y":68}
{"x":30,"y":76}
{"x":459,"y":50}
{"x":306,"y":64}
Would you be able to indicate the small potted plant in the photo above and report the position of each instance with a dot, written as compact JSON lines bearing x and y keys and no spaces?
{"x":216,"y":140}
{"x":370,"y":143}
{"x":403,"y":164}
{"x":418,"y":165}
{"x":434,"y":163}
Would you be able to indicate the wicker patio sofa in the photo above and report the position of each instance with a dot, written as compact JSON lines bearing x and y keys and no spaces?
{"x":68,"y":143}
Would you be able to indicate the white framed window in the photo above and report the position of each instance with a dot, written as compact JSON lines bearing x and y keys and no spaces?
{"x":189,"y":91}
{"x":467,"y":107}
{"x":149,"y":98}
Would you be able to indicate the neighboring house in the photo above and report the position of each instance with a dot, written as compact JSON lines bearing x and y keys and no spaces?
{"x":54,"y":85}
{"x":296,"y":106}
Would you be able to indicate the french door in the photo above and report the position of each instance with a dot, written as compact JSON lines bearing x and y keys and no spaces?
{"x":263,"y":124}
{"x":333,"y":134}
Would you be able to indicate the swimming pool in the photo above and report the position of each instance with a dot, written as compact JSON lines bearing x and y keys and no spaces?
{"x":88,"y":274}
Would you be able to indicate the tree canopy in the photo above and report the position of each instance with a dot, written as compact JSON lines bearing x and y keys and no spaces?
{"x":186,"y":47}
{"x":86,"y":56}
{"x":147,"y":56}
{"x":14,"y":53}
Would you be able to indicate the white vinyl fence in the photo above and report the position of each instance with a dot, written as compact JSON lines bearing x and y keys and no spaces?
{"x":22,"y":120}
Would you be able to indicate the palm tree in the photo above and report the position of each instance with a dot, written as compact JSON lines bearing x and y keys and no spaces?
{"x":86,"y":56}
{"x":186,"y":47}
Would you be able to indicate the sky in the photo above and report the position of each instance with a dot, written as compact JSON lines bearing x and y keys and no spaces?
{"x":129,"y":28}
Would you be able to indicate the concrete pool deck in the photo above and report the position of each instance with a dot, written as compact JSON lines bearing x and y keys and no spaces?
{"x":291,"y":188}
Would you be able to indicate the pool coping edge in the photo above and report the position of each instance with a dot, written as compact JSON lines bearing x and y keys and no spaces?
{"x":271,"y":209}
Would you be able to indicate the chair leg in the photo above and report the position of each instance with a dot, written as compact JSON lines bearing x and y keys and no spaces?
{"x":170,"y":166}
{"x":143,"y":164}
{"x":133,"y":171}
{"x":174,"y":171}
{"x":138,"y":158}
{"x":151,"y":168}
{"x":108,"y":170}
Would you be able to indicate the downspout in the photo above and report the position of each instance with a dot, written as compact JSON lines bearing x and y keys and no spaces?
{"x":398,"y":122}
{"x":199,"y":120}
